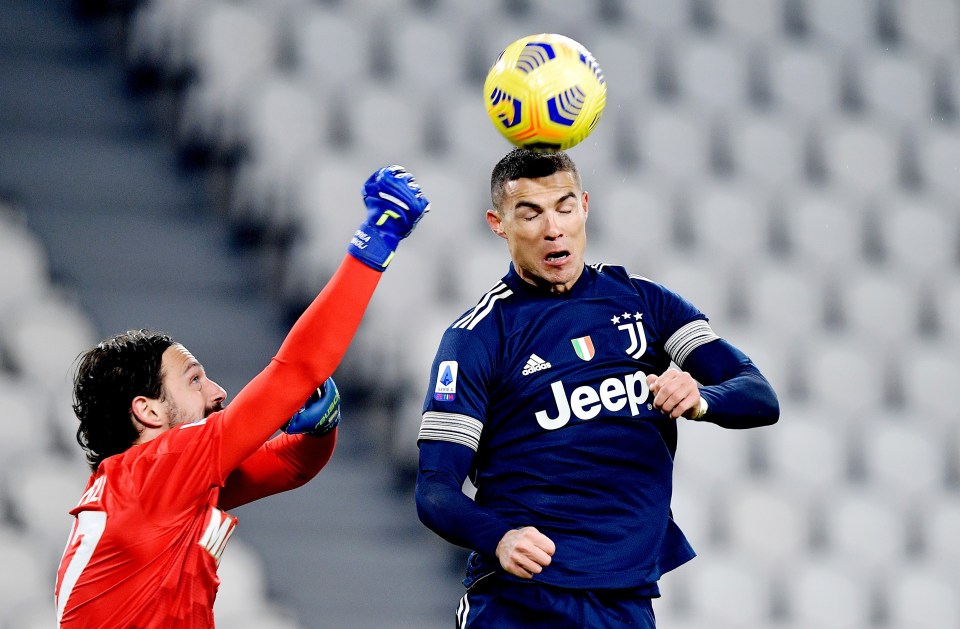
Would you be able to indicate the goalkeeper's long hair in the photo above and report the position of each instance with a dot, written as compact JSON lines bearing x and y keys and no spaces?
{"x":107,"y":379}
{"x":527,"y":164}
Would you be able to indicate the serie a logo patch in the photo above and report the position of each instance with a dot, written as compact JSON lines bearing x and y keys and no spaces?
{"x":446,"y":388}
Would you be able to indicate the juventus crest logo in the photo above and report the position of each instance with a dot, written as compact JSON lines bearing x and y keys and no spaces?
{"x":634,"y":328}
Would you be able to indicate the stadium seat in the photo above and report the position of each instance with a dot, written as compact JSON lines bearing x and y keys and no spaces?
{"x":234,"y":45}
{"x":631,"y":219}
{"x":24,"y":261}
{"x":712,"y":72}
{"x":882,"y":305}
{"x":767,"y":148}
{"x":930,"y":372}
{"x":861,"y":156}
{"x":804,"y":79}
{"x":910,"y":225}
{"x":865,"y":528}
{"x":932,"y":26}
{"x":850,"y":24}
{"x":767,"y":522}
{"x":846,"y":373}
{"x":730,"y":221}
{"x":331,"y":48}
{"x":947,"y":297}
{"x":938,"y":149}
{"x":806,"y":434}
{"x":43,"y":490}
{"x":709,"y":289}
{"x":281,"y":123}
{"x":416,"y":38}
{"x":710,"y":456}
{"x":901,"y":458}
{"x":43,"y":338}
{"x":761,"y":20}
{"x":941,"y":521}
{"x":699,"y":513}
{"x":23,"y":433}
{"x":243,"y":586}
{"x":785,"y":294}
{"x":26,"y":581}
{"x":923,"y":596}
{"x":828,"y":594}
{"x":161,"y":36}
{"x":659,"y":15}
{"x":896,"y":86}
{"x":327,"y":208}
{"x":674,"y":142}
{"x":825,"y":229}
{"x":728,"y":589}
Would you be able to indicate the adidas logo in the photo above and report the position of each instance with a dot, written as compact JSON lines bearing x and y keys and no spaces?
{"x":535,"y":364}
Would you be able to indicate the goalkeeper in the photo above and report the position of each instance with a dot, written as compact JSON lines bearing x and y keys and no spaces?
{"x":169,"y":460}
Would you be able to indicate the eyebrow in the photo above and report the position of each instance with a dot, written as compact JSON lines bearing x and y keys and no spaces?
{"x":190,"y":365}
{"x":534,"y":206}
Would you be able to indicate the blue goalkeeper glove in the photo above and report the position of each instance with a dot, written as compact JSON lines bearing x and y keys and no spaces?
{"x":395,"y":203}
{"x":320,"y":413}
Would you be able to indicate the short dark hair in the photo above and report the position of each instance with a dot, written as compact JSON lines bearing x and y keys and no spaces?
{"x":107,"y":379}
{"x":526,"y":164}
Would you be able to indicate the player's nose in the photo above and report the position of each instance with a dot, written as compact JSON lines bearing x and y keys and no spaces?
{"x":551,"y":226}
{"x":217,"y":394}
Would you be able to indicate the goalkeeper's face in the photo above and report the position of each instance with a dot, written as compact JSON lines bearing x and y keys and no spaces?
{"x":544,"y":223}
{"x":188,"y":394}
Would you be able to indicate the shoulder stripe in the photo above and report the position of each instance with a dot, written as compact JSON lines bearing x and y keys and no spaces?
{"x":483,"y":308}
{"x":634,"y":276}
{"x":689,"y":338}
{"x":452,"y":427}
{"x":483,"y":302}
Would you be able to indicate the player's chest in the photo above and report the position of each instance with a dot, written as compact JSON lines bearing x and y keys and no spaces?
{"x":585,"y":340}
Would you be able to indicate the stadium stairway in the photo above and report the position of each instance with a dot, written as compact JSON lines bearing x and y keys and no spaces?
{"x":132,"y":237}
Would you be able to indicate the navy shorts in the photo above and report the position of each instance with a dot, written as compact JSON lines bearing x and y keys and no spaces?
{"x":494,"y":603}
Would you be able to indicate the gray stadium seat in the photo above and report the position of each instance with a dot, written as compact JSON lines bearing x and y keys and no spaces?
{"x":924,"y":596}
{"x":932,"y":26}
{"x":829,"y":594}
{"x":865,"y":527}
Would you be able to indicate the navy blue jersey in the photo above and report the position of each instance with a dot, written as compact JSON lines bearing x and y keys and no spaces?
{"x":550,"y":392}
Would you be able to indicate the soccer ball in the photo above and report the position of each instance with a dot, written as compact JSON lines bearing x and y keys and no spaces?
{"x":545,"y":92}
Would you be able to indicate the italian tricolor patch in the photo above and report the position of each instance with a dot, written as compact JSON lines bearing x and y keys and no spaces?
{"x":583,"y":346}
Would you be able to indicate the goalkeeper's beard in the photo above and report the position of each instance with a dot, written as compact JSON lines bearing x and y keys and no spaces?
{"x":178,"y":417}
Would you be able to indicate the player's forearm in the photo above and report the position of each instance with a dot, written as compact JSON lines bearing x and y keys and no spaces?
{"x":447,"y":511}
{"x":320,"y":337}
{"x":746,"y":401}
{"x":307,"y":357}
{"x":737,"y":393}
{"x":283,"y":463}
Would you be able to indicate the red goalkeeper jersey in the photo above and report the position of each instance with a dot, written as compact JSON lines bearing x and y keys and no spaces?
{"x":148,"y":536}
{"x":151,"y":525}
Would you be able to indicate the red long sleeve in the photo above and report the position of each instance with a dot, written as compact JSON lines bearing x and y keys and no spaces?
{"x":281,"y":464}
{"x":310,"y":353}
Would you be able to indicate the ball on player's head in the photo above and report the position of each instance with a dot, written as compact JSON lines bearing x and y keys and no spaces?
{"x":545,"y":92}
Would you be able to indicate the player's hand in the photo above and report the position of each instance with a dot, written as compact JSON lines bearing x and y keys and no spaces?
{"x":395,"y":203}
{"x":319,"y":415}
{"x":675,"y":393}
{"x":525,"y":552}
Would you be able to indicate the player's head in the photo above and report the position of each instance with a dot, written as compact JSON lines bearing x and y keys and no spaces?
{"x":540,"y":208}
{"x":135,"y":384}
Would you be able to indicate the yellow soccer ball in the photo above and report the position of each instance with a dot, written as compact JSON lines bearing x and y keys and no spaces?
{"x":545,"y":92}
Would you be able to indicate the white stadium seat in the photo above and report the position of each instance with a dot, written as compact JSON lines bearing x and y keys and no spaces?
{"x":923,"y":596}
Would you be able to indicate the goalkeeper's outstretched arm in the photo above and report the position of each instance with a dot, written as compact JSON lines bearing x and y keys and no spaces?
{"x":320,"y":337}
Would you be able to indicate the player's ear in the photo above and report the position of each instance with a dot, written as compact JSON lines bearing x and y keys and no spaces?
{"x":145,"y":411}
{"x":585,"y":201}
{"x":495,"y":223}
